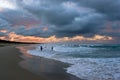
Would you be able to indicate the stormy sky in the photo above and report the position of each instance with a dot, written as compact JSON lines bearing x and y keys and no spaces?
{"x":62,"y":18}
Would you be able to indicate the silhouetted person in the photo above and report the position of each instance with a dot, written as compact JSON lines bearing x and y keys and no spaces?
{"x":52,"y":48}
{"x":41,"y":48}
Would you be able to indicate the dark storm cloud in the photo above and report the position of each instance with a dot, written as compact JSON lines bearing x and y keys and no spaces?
{"x":14,"y":20}
{"x":111,"y":8}
{"x":4,"y":24}
{"x":112,"y":29}
{"x":18,"y":17}
{"x":89,"y":23}
{"x":64,"y":18}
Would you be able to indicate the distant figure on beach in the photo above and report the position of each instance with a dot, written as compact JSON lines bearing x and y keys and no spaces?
{"x":41,"y":48}
{"x":52,"y":48}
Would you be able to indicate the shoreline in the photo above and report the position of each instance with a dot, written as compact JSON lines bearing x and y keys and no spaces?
{"x":104,"y":68}
{"x":47,"y":68}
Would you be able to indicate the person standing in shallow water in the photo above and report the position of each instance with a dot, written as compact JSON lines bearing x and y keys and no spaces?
{"x":41,"y":48}
{"x":52,"y":48}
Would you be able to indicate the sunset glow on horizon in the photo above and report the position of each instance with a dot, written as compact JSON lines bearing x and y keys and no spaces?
{"x":20,"y":38}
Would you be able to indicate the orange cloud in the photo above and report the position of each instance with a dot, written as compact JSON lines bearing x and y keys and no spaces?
{"x":20,"y":38}
{"x":3,"y":31}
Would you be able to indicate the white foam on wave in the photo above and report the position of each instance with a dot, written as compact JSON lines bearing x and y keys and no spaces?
{"x":73,"y":49}
{"x":94,"y":69}
{"x":86,"y":68}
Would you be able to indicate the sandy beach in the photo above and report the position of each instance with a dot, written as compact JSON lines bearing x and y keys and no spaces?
{"x":17,"y":66}
{"x":9,"y":68}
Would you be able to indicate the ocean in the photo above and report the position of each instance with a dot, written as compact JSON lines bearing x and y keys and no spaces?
{"x":88,"y":61}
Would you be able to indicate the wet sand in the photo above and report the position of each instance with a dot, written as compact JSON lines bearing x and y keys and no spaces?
{"x":13,"y":67}
{"x":9,"y":68}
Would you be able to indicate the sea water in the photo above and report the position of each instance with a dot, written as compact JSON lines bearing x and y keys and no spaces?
{"x":88,"y":61}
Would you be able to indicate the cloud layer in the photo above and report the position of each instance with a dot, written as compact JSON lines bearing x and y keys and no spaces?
{"x":62,"y":18}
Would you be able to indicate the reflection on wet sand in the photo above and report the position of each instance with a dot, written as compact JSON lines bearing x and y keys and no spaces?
{"x":46,"y":68}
